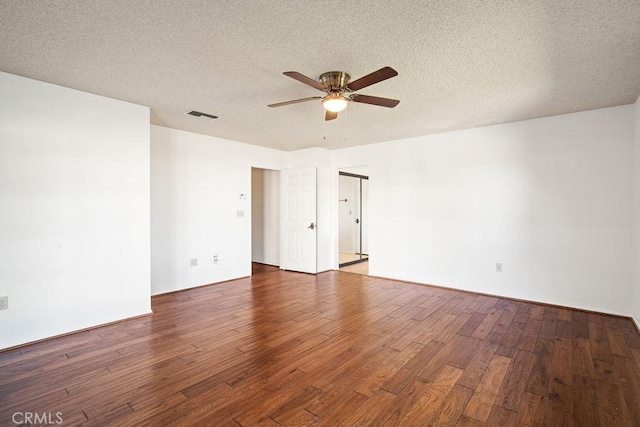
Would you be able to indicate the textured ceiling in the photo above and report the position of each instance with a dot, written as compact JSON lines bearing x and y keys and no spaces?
{"x":461,"y":64}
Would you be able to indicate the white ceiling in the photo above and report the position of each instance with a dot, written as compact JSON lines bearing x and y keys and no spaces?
{"x":461,"y":64}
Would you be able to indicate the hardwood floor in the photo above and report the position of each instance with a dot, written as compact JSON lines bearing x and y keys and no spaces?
{"x":282,"y":348}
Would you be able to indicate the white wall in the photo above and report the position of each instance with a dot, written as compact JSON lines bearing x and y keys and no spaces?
{"x":326,"y":238}
{"x":196,"y":181}
{"x":636,"y":224}
{"x":549,"y":198}
{"x":74,"y":216}
{"x":265,"y":216}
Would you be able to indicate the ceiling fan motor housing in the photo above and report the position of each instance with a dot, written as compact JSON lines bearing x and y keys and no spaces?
{"x":335,"y":81}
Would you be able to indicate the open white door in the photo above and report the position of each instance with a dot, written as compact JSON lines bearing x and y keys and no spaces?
{"x":298,"y":220}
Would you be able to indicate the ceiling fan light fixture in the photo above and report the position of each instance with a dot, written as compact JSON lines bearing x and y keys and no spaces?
{"x":339,"y":91}
{"x":335,"y":102}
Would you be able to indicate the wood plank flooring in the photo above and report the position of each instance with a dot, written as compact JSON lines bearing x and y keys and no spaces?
{"x":283,"y":348}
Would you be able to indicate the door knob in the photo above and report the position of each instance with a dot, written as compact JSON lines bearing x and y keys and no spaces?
{"x":312,"y":226}
{"x":357,"y":221}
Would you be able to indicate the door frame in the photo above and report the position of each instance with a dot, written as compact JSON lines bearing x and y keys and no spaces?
{"x":360,"y":178}
{"x":335,"y":208}
{"x":251,"y":214}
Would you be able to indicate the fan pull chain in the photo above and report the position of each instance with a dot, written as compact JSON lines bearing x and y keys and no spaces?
{"x":345,"y":124}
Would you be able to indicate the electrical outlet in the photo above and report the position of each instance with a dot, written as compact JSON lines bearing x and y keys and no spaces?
{"x":499,"y":267}
{"x":4,"y":303}
{"x":215,"y":259}
{"x":194,"y":262}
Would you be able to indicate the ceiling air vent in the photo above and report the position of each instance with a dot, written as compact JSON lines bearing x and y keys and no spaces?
{"x":201,"y":114}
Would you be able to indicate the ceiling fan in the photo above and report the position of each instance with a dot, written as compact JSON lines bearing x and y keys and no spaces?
{"x":339,"y":91}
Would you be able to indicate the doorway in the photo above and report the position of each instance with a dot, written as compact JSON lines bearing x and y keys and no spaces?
{"x":353,"y":222}
{"x":265,"y":219}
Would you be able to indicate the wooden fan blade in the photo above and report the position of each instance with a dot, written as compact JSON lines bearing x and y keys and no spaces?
{"x":295,"y":101}
{"x":304,"y":79}
{"x":373,"y":78}
{"x":330,"y":115}
{"x":375,"y":100}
